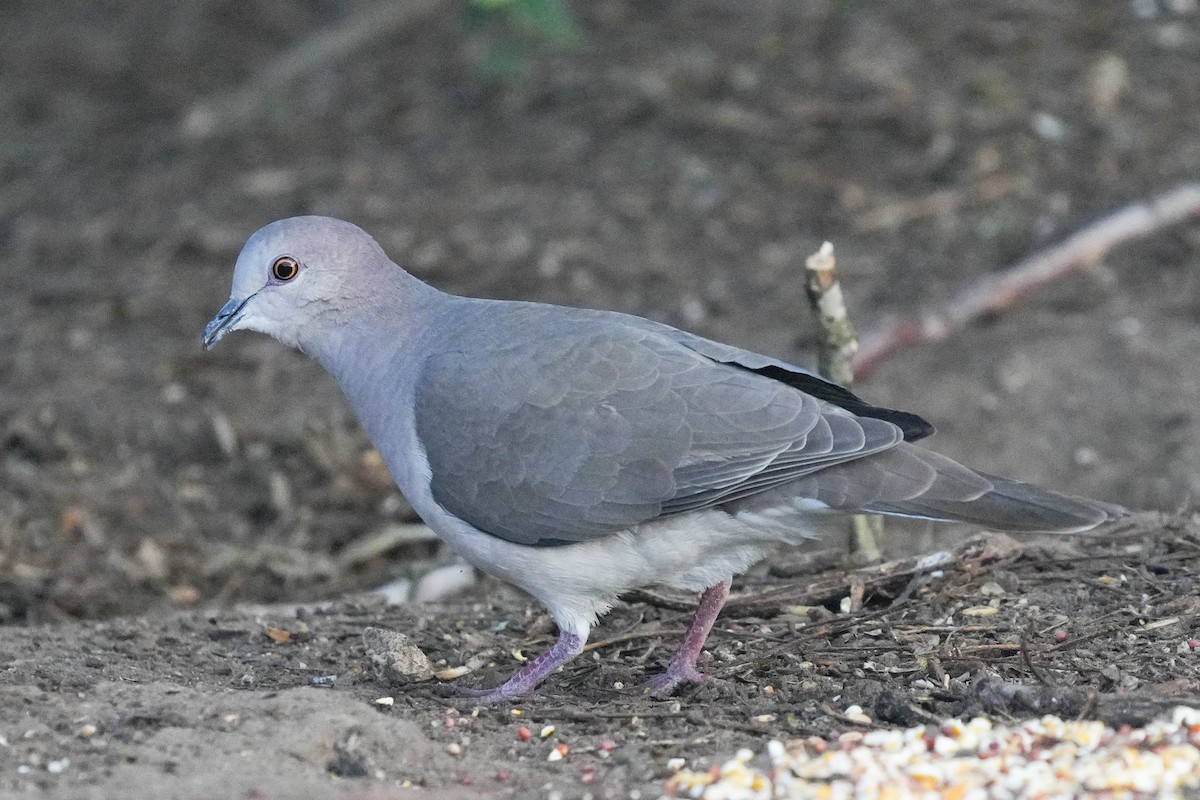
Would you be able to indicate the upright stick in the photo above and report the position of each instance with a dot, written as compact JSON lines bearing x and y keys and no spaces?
{"x":835,"y":361}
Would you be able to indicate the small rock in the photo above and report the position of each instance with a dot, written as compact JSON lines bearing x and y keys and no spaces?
{"x":395,"y":656}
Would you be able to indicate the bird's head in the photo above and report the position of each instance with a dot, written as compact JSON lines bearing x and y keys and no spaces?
{"x":297,"y":273}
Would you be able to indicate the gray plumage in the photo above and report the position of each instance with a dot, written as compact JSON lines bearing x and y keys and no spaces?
{"x":582,"y":453}
{"x":547,"y":425}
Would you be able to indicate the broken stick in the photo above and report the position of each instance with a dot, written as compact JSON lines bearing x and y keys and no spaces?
{"x":1078,"y":252}
{"x":835,"y":361}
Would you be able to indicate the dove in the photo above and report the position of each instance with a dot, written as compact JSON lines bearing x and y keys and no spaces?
{"x":580,"y":454}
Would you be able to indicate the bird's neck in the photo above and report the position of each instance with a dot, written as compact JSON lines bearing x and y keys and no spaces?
{"x":375,"y":354}
{"x":383,"y":325}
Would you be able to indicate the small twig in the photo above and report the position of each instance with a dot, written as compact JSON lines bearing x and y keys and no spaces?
{"x":922,"y":714}
{"x":368,"y":548}
{"x":1000,"y":649}
{"x":835,"y":361}
{"x":1076,"y":641}
{"x":331,"y":45}
{"x":662,"y":601}
{"x":646,"y":633}
{"x":802,"y":564}
{"x":916,"y":582}
{"x":1038,"y":675}
{"x":1078,"y":252}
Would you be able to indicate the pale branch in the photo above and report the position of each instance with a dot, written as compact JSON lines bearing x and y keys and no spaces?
{"x":328,"y":46}
{"x":835,"y":361}
{"x":1078,"y":252}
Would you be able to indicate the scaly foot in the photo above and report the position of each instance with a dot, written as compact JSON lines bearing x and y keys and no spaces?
{"x":682,"y":668}
{"x":664,"y":685}
{"x":529,"y":676}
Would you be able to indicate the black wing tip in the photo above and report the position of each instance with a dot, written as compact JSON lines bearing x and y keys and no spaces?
{"x":913,"y":426}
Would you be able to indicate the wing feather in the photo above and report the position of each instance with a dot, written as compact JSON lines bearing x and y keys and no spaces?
{"x":583,"y":429}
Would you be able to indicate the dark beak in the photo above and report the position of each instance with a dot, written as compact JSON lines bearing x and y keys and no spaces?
{"x":225,"y":319}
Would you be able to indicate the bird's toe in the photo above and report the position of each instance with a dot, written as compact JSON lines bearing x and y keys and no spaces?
{"x":664,"y":685}
{"x":485,"y":697}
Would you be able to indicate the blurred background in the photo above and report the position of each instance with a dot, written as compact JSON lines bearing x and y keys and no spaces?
{"x":677,"y":160}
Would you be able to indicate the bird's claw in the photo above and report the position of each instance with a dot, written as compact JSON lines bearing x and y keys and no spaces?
{"x":481,"y":696}
{"x":664,"y":685}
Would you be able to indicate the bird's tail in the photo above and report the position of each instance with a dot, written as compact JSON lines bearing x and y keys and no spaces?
{"x":910,"y":481}
{"x":1010,"y":506}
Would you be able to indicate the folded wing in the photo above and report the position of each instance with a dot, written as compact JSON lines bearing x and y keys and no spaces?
{"x":583,"y":427}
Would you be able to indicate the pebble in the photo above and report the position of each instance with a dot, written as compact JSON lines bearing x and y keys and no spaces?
{"x":395,"y":656}
{"x":857,"y":714}
{"x":1046,"y":757}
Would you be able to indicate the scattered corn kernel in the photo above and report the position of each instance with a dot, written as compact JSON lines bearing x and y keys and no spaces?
{"x":974,"y":760}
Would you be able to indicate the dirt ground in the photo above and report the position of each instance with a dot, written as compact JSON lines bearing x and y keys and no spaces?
{"x":161,"y":508}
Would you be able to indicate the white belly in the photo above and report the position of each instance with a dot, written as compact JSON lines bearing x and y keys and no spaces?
{"x":579,"y":582}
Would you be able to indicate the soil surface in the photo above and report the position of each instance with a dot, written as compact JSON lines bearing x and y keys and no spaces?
{"x":175,"y":527}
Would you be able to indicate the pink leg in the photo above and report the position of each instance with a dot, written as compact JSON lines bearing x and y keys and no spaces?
{"x":683,"y":666}
{"x":529,"y":676}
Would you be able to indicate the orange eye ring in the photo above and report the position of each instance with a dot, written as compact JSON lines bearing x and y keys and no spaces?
{"x":285,"y":268}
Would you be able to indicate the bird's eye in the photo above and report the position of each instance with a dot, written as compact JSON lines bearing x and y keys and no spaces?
{"x":285,"y":268}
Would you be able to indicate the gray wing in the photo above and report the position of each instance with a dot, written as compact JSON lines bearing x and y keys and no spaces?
{"x":552,"y":426}
{"x":556,"y":428}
